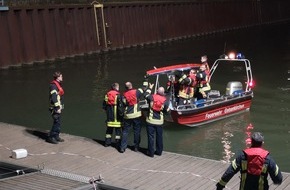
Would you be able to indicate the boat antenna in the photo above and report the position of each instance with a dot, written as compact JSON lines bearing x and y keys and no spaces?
{"x":225,"y":46}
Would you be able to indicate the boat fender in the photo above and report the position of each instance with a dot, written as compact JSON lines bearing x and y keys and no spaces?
{"x":238,"y":92}
{"x":200,"y":103}
{"x":19,"y":153}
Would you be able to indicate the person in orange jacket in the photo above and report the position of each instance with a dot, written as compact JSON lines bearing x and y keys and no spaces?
{"x":158,"y":106}
{"x":56,"y":94}
{"x":187,"y":84}
{"x":132,"y":116}
{"x":203,"y":86}
{"x":254,"y":164}
{"x":113,"y":106}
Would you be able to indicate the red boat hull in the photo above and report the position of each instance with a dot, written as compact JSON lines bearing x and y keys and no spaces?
{"x":209,"y":115}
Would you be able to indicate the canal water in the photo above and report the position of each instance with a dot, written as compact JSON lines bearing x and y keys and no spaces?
{"x":24,"y":92}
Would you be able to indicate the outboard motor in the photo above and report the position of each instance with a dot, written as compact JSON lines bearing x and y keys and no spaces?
{"x":233,"y":87}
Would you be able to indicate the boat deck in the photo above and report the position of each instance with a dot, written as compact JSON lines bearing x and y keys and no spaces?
{"x":73,"y":163}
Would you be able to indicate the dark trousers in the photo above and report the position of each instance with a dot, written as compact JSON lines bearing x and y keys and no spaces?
{"x":55,"y":129}
{"x":109,"y":134}
{"x":151,"y":131}
{"x":128,"y":123}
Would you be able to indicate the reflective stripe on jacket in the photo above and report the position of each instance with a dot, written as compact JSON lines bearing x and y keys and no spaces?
{"x":111,"y":97}
{"x":185,"y":92}
{"x":131,"y":101}
{"x":111,"y":107}
{"x":156,"y":117}
{"x":249,"y":181}
{"x":59,"y":87}
{"x":202,"y":78}
{"x":55,"y":95}
{"x":254,"y":165}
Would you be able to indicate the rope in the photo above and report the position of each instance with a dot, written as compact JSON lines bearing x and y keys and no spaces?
{"x":5,"y":147}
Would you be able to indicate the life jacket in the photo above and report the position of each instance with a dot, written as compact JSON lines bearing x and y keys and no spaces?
{"x":158,"y":102}
{"x":60,"y":89}
{"x":193,"y":80}
{"x":186,"y":91}
{"x":255,"y":160}
{"x":207,"y":72}
{"x":130,"y":96}
{"x":111,"y":95}
{"x":203,"y":78}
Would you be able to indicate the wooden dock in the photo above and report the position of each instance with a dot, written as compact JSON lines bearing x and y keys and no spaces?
{"x":73,"y":163}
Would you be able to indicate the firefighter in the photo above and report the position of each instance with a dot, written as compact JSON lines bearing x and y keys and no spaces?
{"x":113,"y":106}
{"x":203,"y":61}
{"x":254,"y":164}
{"x":173,"y":88}
{"x":203,"y":86}
{"x":56,"y":94}
{"x":187,"y":87}
{"x":158,"y":106}
{"x":132,"y":116}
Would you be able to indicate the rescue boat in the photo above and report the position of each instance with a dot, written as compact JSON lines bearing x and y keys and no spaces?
{"x":230,"y":94}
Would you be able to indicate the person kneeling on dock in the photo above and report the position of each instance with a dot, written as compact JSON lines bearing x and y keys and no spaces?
{"x":254,"y":164}
{"x":158,"y":106}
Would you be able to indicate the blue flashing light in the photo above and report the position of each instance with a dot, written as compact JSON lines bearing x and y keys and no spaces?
{"x":240,"y":56}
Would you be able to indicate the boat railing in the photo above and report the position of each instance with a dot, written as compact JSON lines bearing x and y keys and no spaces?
{"x":202,"y":102}
{"x":211,"y":101}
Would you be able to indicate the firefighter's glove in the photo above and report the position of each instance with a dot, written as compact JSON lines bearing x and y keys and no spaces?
{"x":219,"y":186}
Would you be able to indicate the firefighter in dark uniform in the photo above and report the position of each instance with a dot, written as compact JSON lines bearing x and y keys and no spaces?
{"x":132,"y":116}
{"x":203,"y":86}
{"x":158,"y":106}
{"x":254,"y":164}
{"x":56,"y":93}
{"x":113,"y":106}
{"x":187,"y":87}
{"x":172,"y":87}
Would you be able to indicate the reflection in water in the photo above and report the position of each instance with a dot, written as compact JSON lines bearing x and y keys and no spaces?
{"x":219,"y":140}
{"x":231,"y":134}
{"x":101,"y":78}
{"x":228,"y":154}
{"x":249,"y":129}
